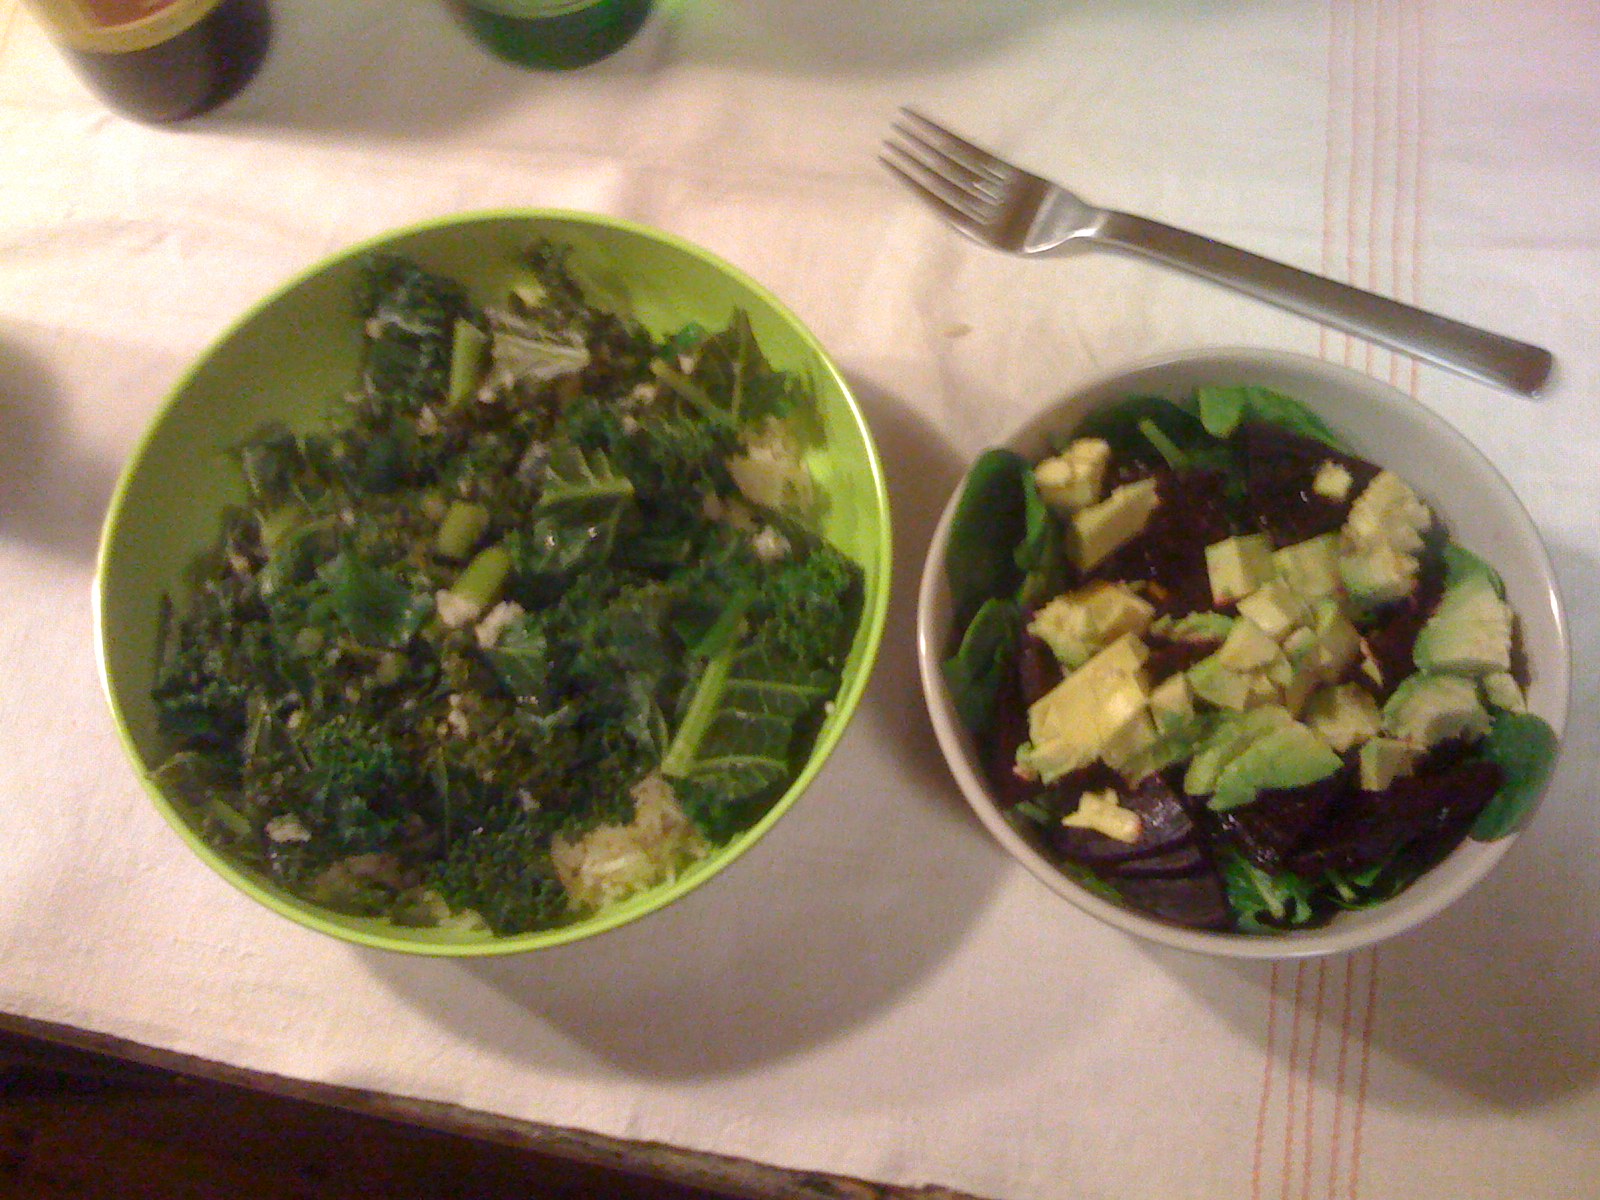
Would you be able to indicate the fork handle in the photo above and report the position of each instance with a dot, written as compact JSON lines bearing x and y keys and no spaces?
{"x":1476,"y":353}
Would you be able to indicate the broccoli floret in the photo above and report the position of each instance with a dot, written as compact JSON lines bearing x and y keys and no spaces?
{"x":506,"y":877}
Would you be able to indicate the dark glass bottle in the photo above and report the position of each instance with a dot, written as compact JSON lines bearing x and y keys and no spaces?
{"x":555,"y":34}
{"x":160,"y":60}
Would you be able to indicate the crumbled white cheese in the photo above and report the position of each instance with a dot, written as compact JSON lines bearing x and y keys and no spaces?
{"x":494,"y":623}
{"x":456,"y":611}
{"x":769,"y":544}
{"x":287,"y":828}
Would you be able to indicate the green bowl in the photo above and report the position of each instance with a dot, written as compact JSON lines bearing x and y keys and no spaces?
{"x":300,"y":347}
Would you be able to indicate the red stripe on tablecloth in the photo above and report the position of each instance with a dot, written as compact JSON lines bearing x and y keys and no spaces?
{"x":1259,"y":1158}
{"x":1369,"y":1020}
{"x":1311,"y":1080}
{"x":1293,"y":1071}
{"x":1334,"y":1136}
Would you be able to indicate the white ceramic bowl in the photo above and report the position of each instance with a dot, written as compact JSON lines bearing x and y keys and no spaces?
{"x":1383,"y":425}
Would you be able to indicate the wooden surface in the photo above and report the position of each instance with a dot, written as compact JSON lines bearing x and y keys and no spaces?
{"x":88,"y":1117}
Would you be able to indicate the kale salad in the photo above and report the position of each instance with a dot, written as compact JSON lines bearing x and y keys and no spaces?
{"x":532,"y":621}
{"x":1227,"y":673}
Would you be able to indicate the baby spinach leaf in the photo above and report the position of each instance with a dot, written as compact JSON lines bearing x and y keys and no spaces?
{"x":1041,"y":555}
{"x":990,"y":522}
{"x":1523,"y":746}
{"x":982,"y":661}
{"x":1223,"y":409}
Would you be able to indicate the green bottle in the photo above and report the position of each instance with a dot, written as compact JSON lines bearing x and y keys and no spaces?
{"x":555,"y":34}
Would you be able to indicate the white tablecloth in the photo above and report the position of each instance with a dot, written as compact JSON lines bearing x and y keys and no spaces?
{"x":875,"y":990}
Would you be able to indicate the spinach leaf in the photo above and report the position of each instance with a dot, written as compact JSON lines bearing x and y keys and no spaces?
{"x":989,"y":523}
{"x":1523,"y":746}
{"x":1041,"y":556}
{"x":982,"y":662}
{"x":1263,"y":902}
{"x":1223,"y":409}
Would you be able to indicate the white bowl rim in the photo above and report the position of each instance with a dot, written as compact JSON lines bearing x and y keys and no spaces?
{"x":1474,"y":860}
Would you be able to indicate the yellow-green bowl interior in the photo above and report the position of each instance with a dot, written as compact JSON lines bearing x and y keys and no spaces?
{"x":299,"y":349}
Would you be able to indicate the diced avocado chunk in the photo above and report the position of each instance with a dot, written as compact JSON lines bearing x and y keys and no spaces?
{"x":1238,"y":565}
{"x":1101,"y":529}
{"x":1336,"y":644}
{"x":1332,"y":481}
{"x":1248,"y":648}
{"x":1428,"y":708}
{"x":1469,"y":632}
{"x":1380,"y":539}
{"x":1287,"y":757}
{"x":1171,"y":702}
{"x":1199,"y":627}
{"x":1217,"y":684}
{"x":1226,"y":740}
{"x":1100,"y":812}
{"x":1387,"y":513}
{"x":1343,"y":715}
{"x":1501,"y":690}
{"x":1077,"y":624}
{"x":1377,"y":575}
{"x":1310,"y":568}
{"x":1275,"y":607}
{"x":1072,"y":480}
{"x":1382,"y":760}
{"x":1129,"y":748}
{"x":1070,"y":724}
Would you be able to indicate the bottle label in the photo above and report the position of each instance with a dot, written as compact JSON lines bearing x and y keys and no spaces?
{"x":118,"y":26}
{"x":535,"y":10}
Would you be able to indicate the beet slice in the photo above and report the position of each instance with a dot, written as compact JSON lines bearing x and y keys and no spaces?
{"x":1170,"y":552}
{"x":1433,"y":808}
{"x":1280,"y":467}
{"x":1164,"y":821}
{"x":1273,"y":826}
{"x":1197,"y":901}
{"x":1186,"y":858}
{"x":1391,"y":633}
{"x":1038,"y":670}
{"x":1008,"y":730}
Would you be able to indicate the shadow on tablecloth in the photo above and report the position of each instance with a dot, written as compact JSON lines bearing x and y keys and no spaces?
{"x":859,"y":893}
{"x":53,"y":492}
{"x":1492,"y":1003}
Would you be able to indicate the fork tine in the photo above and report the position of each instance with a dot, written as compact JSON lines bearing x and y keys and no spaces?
{"x":974,"y":158}
{"x":935,"y":158}
{"x":934,"y":190}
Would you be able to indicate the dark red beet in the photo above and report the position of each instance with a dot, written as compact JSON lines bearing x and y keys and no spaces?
{"x":1433,"y":806}
{"x":1196,"y":901}
{"x":1038,"y":671}
{"x":1164,"y":822}
{"x":1170,"y":553}
{"x":1271,"y":828}
{"x":1187,"y":858}
{"x":1280,"y":468}
{"x":999,"y":746}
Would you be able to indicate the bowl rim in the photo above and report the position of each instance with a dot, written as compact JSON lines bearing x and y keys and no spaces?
{"x":869,"y":633}
{"x":1384,"y":921}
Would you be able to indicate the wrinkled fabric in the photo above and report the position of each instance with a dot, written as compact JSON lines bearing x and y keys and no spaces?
{"x":876,"y":989}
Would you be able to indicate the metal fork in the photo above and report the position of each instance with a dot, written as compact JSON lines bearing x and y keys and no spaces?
{"x":1009,"y":209}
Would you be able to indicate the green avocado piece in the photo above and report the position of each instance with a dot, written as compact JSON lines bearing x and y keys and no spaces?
{"x":1429,"y":707}
{"x":1469,"y":632}
{"x":1287,"y":757}
{"x":1226,"y":741}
